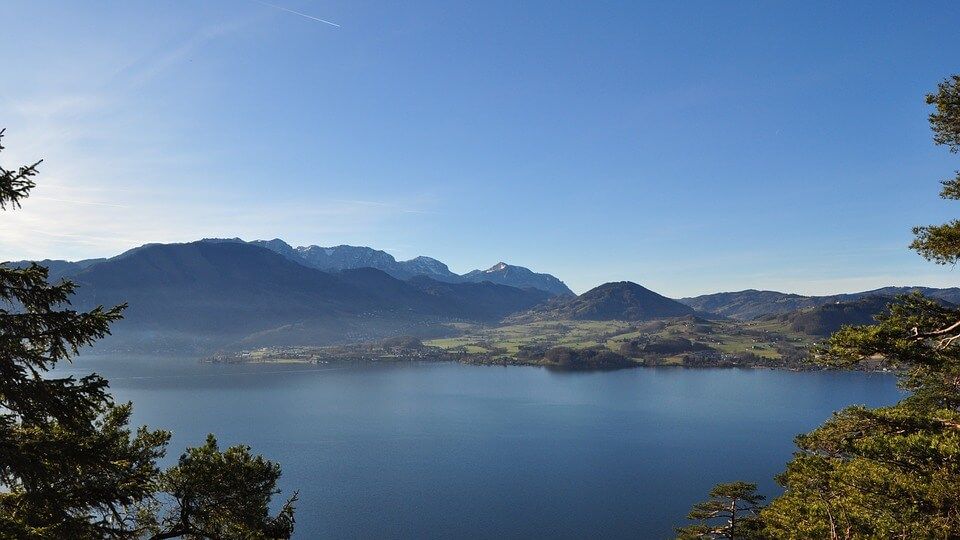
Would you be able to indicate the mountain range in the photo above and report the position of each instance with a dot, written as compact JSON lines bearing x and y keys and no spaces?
{"x":227,"y":292}
{"x":216,"y":293}
{"x":349,"y":257}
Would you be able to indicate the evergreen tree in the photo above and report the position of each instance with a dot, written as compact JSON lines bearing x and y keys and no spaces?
{"x":218,"y":494}
{"x":891,"y":472}
{"x":730,"y":513}
{"x":941,"y":243}
{"x":70,"y":465}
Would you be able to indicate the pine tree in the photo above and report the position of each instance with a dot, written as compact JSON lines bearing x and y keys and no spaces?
{"x":890,"y":472}
{"x":730,"y":513}
{"x":70,"y":465}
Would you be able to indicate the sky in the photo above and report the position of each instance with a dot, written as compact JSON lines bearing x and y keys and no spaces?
{"x":691,"y":147}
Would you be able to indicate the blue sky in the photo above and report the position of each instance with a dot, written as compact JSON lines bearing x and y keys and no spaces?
{"x":691,"y":147}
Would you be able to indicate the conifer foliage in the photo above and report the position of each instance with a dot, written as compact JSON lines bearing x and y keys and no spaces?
{"x":889,"y":472}
{"x":731,"y":512}
{"x":70,"y":464}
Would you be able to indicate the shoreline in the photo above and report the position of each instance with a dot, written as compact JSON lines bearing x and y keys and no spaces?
{"x":324,"y":356}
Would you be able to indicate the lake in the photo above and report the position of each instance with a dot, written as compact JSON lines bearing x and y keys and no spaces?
{"x":454,"y":451}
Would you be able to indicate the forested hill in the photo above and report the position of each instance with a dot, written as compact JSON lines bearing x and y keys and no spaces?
{"x":622,"y":300}
{"x":821,"y":321}
{"x":750,"y":304}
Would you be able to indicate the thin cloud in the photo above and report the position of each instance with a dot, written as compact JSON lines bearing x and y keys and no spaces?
{"x":142,"y":71}
{"x":391,"y":206}
{"x":91,"y":237}
{"x":311,"y":17}
{"x":364,"y":203}
{"x":93,"y":203}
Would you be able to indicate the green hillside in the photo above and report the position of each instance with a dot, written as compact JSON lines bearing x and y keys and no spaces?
{"x":679,"y":341}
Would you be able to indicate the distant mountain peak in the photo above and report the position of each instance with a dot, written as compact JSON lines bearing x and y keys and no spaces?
{"x":430,"y":267}
{"x":499,"y":267}
{"x":518,"y":276}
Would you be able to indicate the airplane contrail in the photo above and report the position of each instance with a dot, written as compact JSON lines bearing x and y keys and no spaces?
{"x":311,"y":17}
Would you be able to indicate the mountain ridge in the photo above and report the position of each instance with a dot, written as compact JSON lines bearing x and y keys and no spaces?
{"x":345,"y":257}
{"x":750,"y":304}
{"x":423,"y":280}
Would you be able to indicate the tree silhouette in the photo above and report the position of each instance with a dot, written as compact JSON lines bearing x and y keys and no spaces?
{"x":70,"y":464}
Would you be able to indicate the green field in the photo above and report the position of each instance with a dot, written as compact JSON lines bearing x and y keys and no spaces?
{"x":764,"y":339}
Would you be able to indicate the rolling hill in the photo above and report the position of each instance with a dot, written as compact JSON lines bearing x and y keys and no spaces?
{"x":624,"y":301}
{"x":821,"y":321}
{"x":751,"y":304}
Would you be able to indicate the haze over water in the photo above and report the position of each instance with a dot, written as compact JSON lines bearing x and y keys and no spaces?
{"x":453,"y":451}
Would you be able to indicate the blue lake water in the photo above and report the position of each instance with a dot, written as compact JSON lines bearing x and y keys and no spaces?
{"x":451,"y":451}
